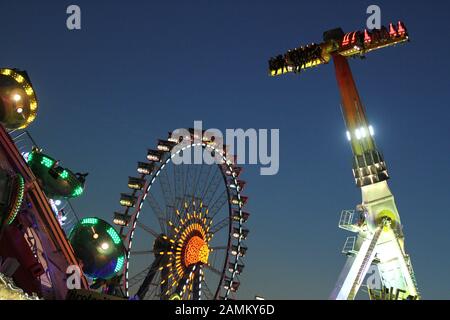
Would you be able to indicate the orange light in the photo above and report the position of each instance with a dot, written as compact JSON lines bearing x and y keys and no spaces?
{"x":196,"y":250}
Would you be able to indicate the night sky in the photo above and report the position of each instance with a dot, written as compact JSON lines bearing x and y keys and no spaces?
{"x":139,"y":69}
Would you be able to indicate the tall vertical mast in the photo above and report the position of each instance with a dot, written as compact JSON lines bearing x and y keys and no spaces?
{"x":352,"y":108}
{"x":368,"y":163}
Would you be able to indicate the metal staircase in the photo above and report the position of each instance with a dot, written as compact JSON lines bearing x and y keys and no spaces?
{"x":366,"y":261}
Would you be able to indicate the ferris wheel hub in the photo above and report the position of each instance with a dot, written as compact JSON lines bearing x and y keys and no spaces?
{"x":196,"y":250}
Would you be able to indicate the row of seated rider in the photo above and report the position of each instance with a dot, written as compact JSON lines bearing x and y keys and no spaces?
{"x":296,"y":57}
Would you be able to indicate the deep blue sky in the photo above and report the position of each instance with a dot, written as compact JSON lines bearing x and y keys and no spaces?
{"x":138,"y":69}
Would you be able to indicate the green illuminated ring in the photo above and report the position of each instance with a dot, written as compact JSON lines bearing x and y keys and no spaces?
{"x":18,"y":199}
{"x":26,"y":86}
{"x":112,"y":234}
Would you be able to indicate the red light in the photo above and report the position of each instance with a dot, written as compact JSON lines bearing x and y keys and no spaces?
{"x":401,"y":29}
{"x":349,"y":38}
{"x":354,"y":38}
{"x":367,"y":38}
{"x":392,"y":31}
{"x":346,"y":40}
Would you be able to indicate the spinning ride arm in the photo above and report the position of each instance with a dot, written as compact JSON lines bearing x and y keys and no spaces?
{"x":336,"y":42}
{"x":56,"y":246}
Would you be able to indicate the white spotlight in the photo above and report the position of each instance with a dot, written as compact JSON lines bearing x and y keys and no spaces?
{"x":17,"y":97}
{"x":363,"y":132}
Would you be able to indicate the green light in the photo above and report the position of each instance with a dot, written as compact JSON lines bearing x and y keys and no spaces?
{"x":119,"y":264}
{"x":78,"y":191}
{"x":114,"y":236}
{"x":64,"y":174}
{"x":47,"y":162}
{"x":30,"y":157}
{"x":19,"y":200}
{"x":89,"y":221}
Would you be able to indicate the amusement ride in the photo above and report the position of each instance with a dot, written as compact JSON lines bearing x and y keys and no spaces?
{"x":180,"y":231}
{"x":380,"y":240}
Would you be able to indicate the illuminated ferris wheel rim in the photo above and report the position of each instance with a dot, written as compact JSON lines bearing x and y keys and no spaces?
{"x":134,"y":217}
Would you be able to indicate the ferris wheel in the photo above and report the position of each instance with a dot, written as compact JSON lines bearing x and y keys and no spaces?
{"x":183,"y":223}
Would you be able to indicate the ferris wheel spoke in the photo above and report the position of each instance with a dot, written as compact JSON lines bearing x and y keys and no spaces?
{"x":220,"y":225}
{"x":153,"y":284}
{"x":190,"y":186}
{"x":211,"y":180}
{"x":165,"y":187}
{"x":213,"y":269}
{"x":183,"y":179}
{"x":212,"y":188}
{"x":177,"y":185}
{"x":179,"y":192}
{"x":141,"y":252}
{"x":206,"y":177}
{"x":186,"y":179}
{"x":147,"y":229}
{"x":218,"y":204}
{"x":219,"y":248}
{"x":159,"y":214}
{"x":213,"y":257}
{"x":153,"y":291}
{"x":209,"y":295}
{"x":154,"y":269}
{"x":203,"y":191}
{"x":197,"y":180}
{"x":138,"y":277}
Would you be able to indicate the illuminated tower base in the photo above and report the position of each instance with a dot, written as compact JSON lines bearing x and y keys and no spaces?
{"x":380,"y":242}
